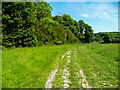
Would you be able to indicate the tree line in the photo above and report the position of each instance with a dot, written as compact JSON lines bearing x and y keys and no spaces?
{"x":107,"y":37}
{"x":31,"y":23}
{"x":26,"y":24}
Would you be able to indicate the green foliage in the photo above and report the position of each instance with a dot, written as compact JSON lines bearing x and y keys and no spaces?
{"x":73,"y":25}
{"x":88,"y":33}
{"x":97,"y":37}
{"x":82,"y":28}
{"x":109,"y":37}
{"x":30,"y":24}
{"x":62,"y":34}
{"x":0,"y":24}
{"x":42,"y":10}
{"x":17,"y":22}
{"x":115,"y":40}
{"x":43,"y":29}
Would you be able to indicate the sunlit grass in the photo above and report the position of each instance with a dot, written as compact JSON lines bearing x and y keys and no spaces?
{"x":30,"y":67}
{"x":99,"y":64}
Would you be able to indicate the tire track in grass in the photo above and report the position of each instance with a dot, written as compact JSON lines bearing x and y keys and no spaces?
{"x":104,"y":82}
{"x":66,"y":72}
{"x":74,"y":70}
{"x":64,"y":55}
{"x":102,"y":76}
{"x":84,"y":82}
{"x":51,"y":77}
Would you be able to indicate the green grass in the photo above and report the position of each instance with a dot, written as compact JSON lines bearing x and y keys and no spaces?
{"x":58,"y":83}
{"x":74,"y":71}
{"x":30,"y":67}
{"x":0,"y":67}
{"x":100,"y":60}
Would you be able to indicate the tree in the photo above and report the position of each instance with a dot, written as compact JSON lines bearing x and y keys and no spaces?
{"x":42,"y":10}
{"x":97,"y":37}
{"x":88,"y":33}
{"x":17,"y":22}
{"x":107,"y":38}
{"x":30,"y":24}
{"x":66,"y":20}
{"x":58,"y":19}
{"x":0,"y":23}
{"x":43,"y":22}
{"x":62,"y":34}
{"x":22,"y":21}
{"x":43,"y":30}
{"x":82,"y":28}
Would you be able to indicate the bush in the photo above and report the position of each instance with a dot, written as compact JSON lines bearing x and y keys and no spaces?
{"x":106,"y":38}
{"x":115,"y":40}
{"x":47,"y":43}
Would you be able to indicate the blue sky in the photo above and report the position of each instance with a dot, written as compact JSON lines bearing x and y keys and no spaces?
{"x":102,"y":16}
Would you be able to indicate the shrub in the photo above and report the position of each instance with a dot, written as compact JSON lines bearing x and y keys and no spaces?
{"x":115,"y":40}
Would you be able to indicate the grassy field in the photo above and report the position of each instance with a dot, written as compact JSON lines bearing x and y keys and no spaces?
{"x":78,"y":66}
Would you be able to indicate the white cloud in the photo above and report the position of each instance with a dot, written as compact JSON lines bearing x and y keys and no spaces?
{"x":98,"y":10}
{"x":102,"y":10}
{"x":84,"y":15}
{"x":102,"y":15}
{"x":106,"y":15}
{"x":97,"y":15}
